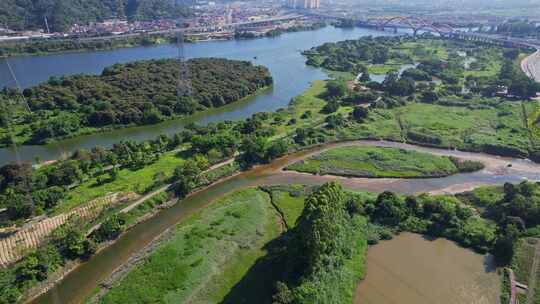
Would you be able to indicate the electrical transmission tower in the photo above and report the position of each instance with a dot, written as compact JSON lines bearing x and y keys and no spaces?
{"x":183,"y":87}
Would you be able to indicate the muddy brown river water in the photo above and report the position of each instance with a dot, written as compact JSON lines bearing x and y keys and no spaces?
{"x":411,"y":269}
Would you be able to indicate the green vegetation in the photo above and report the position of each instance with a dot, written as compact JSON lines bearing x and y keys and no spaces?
{"x":497,"y":128}
{"x":288,"y":201}
{"x":68,"y":242}
{"x":322,"y":250}
{"x":383,"y":55}
{"x":325,"y":251}
{"x":437,"y":216}
{"x":229,"y":235}
{"x":138,"y":93}
{"x":460,"y":110}
{"x":49,"y":46}
{"x":514,"y":208}
{"x":241,"y":34}
{"x":364,"y":161}
{"x":61,"y":15}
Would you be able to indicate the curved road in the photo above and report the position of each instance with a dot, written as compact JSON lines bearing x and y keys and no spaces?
{"x":531,"y":65}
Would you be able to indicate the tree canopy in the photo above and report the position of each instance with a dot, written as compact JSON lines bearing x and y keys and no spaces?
{"x":137,"y":93}
{"x":62,"y":14}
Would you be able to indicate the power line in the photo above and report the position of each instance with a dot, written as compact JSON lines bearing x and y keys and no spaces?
{"x":183,"y":87}
{"x":27,"y":108}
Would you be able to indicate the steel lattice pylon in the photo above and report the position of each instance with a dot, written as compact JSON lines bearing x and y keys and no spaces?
{"x":183,"y":88}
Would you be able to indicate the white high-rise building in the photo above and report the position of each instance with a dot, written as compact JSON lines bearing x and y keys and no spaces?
{"x":305,"y":4}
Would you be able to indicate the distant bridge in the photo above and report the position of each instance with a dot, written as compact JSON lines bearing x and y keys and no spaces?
{"x":421,"y":24}
{"x":415,"y":23}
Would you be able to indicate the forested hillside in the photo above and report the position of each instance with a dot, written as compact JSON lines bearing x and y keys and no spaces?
{"x":61,"y":14}
{"x":137,"y":93}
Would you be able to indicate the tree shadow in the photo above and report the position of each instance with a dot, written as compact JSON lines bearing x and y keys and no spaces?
{"x":258,"y":284}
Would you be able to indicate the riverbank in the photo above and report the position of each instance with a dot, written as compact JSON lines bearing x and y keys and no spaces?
{"x":288,"y":122}
{"x":136,"y":212}
{"x":257,"y":270}
{"x":280,"y":54}
{"x":93,"y":44}
{"x":272,"y":175}
{"x":77,"y":45}
{"x":127,"y":127}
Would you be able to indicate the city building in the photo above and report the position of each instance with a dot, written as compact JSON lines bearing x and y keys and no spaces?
{"x":304,"y":4}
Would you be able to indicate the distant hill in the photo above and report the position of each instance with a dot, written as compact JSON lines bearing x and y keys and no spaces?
{"x":61,"y":14}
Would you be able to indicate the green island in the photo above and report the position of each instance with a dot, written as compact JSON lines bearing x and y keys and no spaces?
{"x":280,"y":244}
{"x":360,"y":161}
{"x":137,"y":93}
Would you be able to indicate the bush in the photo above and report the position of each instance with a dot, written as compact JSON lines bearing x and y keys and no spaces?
{"x":467,"y":165}
{"x":110,"y":228}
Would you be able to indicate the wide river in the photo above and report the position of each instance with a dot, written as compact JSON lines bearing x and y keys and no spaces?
{"x":282,"y":55}
{"x":77,"y":285}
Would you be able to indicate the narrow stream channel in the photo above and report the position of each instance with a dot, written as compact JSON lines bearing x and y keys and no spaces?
{"x":78,"y":285}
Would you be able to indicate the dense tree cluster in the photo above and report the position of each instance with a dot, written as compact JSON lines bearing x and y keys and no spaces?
{"x":34,"y":47}
{"x":516,"y":212}
{"x":439,"y":216}
{"x":318,"y":247}
{"x":62,"y":14}
{"x":27,"y":191}
{"x":516,"y":81}
{"x":351,"y":55}
{"x":137,"y":93}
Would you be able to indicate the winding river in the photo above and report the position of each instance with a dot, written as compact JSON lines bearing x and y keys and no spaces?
{"x":77,"y":285}
{"x":282,"y":55}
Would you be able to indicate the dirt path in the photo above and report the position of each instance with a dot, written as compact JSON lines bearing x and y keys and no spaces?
{"x":152,"y":194}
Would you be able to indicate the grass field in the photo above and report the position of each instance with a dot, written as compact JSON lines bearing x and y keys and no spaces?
{"x":534,"y":123}
{"x":522,"y":263}
{"x":309,"y":101}
{"x":483,"y":196}
{"x":207,"y":255}
{"x":376,"y":162}
{"x":127,"y":180}
{"x":468,"y":128}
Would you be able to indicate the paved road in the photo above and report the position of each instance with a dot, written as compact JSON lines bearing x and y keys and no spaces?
{"x":531,"y":66}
